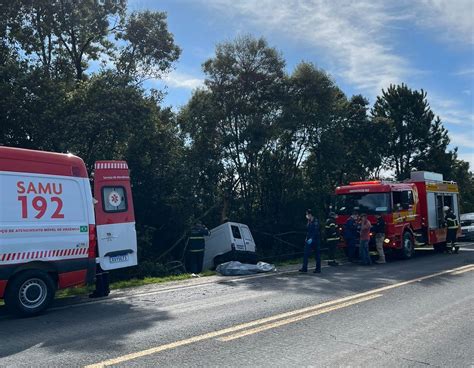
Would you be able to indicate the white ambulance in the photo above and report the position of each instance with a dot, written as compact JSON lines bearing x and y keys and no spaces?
{"x":53,"y":231}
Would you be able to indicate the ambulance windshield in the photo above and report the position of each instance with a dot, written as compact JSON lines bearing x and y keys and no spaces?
{"x":369,"y":203}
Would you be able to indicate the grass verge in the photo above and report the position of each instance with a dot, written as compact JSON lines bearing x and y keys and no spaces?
{"x":83,"y":290}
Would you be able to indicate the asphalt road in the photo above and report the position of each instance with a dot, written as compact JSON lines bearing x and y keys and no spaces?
{"x":406,"y":313}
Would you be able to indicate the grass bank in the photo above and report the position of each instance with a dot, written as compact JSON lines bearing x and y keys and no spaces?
{"x":77,"y":291}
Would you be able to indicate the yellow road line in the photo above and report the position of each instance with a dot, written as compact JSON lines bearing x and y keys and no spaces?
{"x":296,"y":319}
{"x":214,"y":334}
{"x":462,"y":271}
{"x":252,"y":324}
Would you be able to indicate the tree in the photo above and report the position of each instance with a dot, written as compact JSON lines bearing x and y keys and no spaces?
{"x":410,"y":119}
{"x":150,"y":49}
{"x":436,"y":157}
{"x":245,"y":79}
{"x":203,"y":158}
{"x":64,"y":33}
{"x":314,"y":111}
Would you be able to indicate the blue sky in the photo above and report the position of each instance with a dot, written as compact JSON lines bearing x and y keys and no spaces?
{"x":365,"y":45}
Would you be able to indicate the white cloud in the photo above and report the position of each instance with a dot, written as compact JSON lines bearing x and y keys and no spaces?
{"x":464,"y":72}
{"x":182,"y":80}
{"x":354,"y":35}
{"x":451,"y":112}
{"x":462,"y":140}
{"x":468,"y":157}
{"x":452,"y":20}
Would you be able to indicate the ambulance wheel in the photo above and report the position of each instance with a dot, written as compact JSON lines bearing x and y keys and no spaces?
{"x":29,"y":293}
{"x":408,"y":247}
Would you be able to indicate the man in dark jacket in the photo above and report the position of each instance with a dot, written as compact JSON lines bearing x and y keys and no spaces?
{"x":196,"y":245}
{"x":451,"y":236}
{"x":312,"y":242}
{"x":351,"y":235}
{"x":331,"y":233}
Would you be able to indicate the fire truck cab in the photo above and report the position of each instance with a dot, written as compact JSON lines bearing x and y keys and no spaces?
{"x":413,"y":210}
{"x":53,"y":231}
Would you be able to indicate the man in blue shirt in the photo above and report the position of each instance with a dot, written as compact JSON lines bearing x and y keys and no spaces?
{"x":312,"y":242}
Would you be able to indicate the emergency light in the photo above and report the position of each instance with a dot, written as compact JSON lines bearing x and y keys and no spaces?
{"x":371,"y":182}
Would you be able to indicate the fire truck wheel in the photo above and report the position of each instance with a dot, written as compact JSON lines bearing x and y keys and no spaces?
{"x":408,"y":247}
{"x":29,"y":293}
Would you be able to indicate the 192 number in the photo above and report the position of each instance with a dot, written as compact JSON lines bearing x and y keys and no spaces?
{"x":40,"y":204}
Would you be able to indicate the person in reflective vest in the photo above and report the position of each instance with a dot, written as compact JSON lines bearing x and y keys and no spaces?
{"x":196,"y":245}
{"x":331,"y":233}
{"x":452,"y":225}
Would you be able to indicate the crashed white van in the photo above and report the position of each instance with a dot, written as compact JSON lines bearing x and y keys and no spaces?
{"x":230,"y":241}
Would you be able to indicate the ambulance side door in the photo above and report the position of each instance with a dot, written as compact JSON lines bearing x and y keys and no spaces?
{"x":115,"y":219}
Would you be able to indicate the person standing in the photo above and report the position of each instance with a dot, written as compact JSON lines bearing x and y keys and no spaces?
{"x":331,"y":233}
{"x":365,"y":226}
{"x":102,"y":285}
{"x":350,"y":236}
{"x":312,"y":242}
{"x":196,"y":246}
{"x":379,"y":231}
{"x":451,"y":236}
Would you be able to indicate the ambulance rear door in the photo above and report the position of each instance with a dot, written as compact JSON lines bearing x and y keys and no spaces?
{"x":115,"y":219}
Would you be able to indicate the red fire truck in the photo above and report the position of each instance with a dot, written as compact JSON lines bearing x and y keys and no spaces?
{"x":53,"y":231}
{"x":413,"y":210}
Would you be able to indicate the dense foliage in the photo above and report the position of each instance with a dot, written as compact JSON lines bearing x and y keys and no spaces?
{"x":255,"y":144}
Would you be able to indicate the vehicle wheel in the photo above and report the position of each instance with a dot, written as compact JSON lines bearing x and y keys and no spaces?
{"x":29,"y":293}
{"x":439,"y":248}
{"x":408,"y":247}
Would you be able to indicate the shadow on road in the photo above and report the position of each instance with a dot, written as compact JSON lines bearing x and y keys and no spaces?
{"x":336,"y":281}
{"x":89,"y":328}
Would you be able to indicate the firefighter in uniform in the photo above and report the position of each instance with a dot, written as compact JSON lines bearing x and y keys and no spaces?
{"x":196,"y":245}
{"x":331,"y":233}
{"x":452,"y":225}
{"x":351,"y":234}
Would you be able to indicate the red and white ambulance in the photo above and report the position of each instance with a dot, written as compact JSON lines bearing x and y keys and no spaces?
{"x":53,"y":231}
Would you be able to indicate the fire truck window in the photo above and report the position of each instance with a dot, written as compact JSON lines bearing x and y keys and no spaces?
{"x":397,"y":200}
{"x":403,"y":199}
{"x":448,"y":201}
{"x":439,"y":210}
{"x":370,"y":203}
{"x":410,"y":200}
{"x":114,"y":199}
